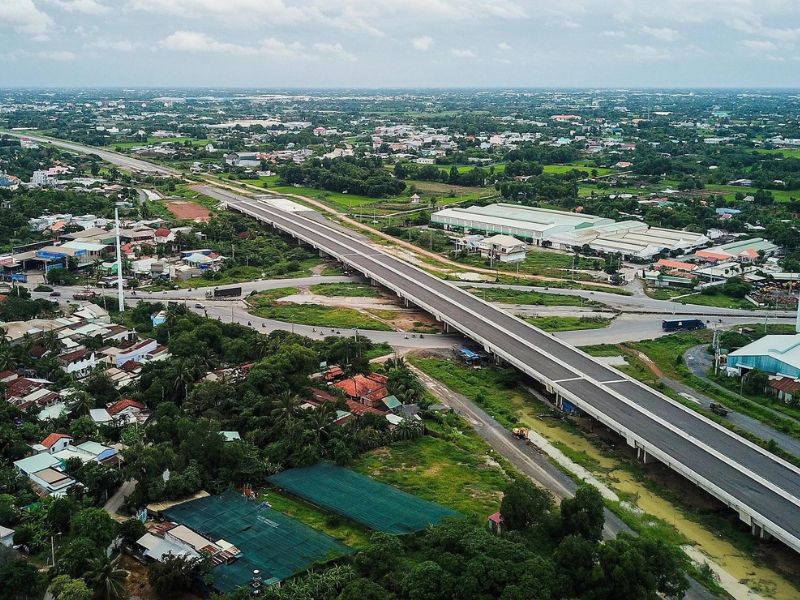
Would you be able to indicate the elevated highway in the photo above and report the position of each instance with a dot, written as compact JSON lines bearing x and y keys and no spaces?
{"x":762,"y":488}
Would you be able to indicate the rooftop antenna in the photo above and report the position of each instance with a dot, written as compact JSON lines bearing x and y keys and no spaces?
{"x":120,"y":294}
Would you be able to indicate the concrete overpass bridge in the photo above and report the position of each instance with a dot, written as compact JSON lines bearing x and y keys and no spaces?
{"x":762,"y":488}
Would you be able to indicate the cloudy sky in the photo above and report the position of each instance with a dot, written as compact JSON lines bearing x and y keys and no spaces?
{"x":373,"y":43}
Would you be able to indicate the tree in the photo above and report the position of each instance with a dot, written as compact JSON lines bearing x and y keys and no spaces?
{"x":131,"y":530}
{"x":583,"y":514}
{"x":575,"y":559}
{"x":95,"y":524}
{"x":524,"y":504}
{"x":364,"y":589}
{"x":65,"y":587}
{"x":173,"y":575}
{"x":76,"y":555}
{"x":19,"y":580}
{"x":59,"y":513}
{"x":428,"y":581}
{"x":637,"y":568}
{"x":107,"y":578}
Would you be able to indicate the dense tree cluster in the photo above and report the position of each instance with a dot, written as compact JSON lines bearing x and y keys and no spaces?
{"x":362,"y":176}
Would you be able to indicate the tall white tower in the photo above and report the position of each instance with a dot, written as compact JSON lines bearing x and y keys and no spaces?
{"x":120,"y":293}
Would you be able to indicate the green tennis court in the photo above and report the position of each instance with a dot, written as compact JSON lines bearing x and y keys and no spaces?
{"x":270,"y":541}
{"x":364,"y":500}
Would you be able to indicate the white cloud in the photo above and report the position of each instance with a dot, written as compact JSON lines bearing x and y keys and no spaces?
{"x":664,"y":34}
{"x":462,"y":53}
{"x":57,"y":55}
{"x":196,"y":42}
{"x":333,"y":51}
{"x":24,"y":17}
{"x":118,"y":45}
{"x":422,"y":43}
{"x":504,"y":47}
{"x":89,"y":7}
{"x":760,"y":45}
{"x":641,"y":53}
{"x":613,"y":33}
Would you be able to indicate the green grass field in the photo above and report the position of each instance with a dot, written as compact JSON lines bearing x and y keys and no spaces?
{"x":568,"y":323}
{"x":155,"y":140}
{"x":346,"y":531}
{"x":717,"y":300}
{"x":455,"y":468}
{"x":509,"y":296}
{"x":787,"y":152}
{"x":265,"y":305}
{"x":349,"y":290}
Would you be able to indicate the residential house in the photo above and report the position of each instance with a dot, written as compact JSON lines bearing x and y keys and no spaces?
{"x":505,"y":248}
{"x":785,"y":389}
{"x":368,"y":390}
{"x":79,"y":363}
{"x":6,"y":537}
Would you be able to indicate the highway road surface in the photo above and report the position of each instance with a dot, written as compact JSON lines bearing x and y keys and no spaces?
{"x":762,"y":488}
{"x":115,"y":158}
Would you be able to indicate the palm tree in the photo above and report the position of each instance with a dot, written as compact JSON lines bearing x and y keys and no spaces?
{"x":51,"y":342}
{"x":107,"y":578}
{"x":285,"y":409}
{"x":184,"y":377}
{"x":81,"y":403}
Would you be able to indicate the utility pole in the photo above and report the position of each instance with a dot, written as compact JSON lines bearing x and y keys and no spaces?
{"x":120,"y":294}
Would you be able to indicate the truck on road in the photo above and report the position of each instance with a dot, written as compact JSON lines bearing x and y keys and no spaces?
{"x":682,"y":324}
{"x":233,"y":292}
{"x":718,"y":409}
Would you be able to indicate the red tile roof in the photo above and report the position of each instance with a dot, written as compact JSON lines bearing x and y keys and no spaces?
{"x":361,"y":409}
{"x":360,"y":386}
{"x":53,"y":438}
{"x":162,"y":232}
{"x":785,"y":384}
{"x":21,"y":387}
{"x":322,"y":396}
{"x":117,"y":407}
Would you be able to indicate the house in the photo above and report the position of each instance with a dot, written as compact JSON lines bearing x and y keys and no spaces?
{"x":55,"y":442}
{"x":368,"y":390}
{"x":230,"y":436}
{"x":164,"y":235}
{"x":504,"y":248}
{"x":139,"y":352}
{"x":415,"y":198}
{"x":495,"y":523}
{"x":785,"y":388}
{"x":78,"y":363}
{"x":6,"y":537}
{"x":127,"y":411}
{"x":44,"y":472}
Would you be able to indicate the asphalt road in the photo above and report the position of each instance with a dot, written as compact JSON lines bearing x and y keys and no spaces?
{"x":640,"y":302}
{"x":634,"y":327}
{"x":120,"y":160}
{"x":741,"y":472}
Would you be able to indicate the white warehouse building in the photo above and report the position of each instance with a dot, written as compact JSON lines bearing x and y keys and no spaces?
{"x":568,"y":231}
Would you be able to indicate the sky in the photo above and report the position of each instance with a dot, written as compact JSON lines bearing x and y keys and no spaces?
{"x":400,"y":43}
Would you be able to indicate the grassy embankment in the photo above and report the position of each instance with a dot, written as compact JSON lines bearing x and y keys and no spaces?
{"x":265,"y":305}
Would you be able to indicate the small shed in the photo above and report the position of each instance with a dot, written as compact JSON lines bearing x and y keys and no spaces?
{"x":495,"y":523}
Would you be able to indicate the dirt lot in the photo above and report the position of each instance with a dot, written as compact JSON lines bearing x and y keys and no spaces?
{"x":183,"y":209}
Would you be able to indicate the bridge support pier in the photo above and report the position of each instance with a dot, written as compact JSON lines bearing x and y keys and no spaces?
{"x":643,"y":456}
{"x":758,"y":531}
